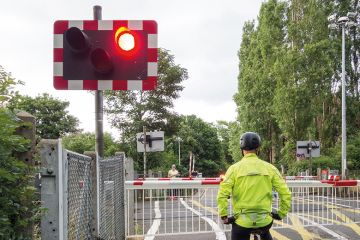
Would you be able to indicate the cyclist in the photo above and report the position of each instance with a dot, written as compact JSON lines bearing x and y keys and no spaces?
{"x":250,"y":182}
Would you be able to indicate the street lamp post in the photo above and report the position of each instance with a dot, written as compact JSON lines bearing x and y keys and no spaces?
{"x":343,"y":23}
{"x":179,"y":140}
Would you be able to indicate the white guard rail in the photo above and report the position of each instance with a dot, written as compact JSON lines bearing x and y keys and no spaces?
{"x":301,"y":178}
{"x":177,"y":207}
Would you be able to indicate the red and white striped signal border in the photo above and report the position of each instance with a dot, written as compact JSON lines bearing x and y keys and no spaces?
{"x":148,"y":26}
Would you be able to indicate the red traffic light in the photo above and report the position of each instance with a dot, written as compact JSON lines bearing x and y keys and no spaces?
{"x":105,"y":54}
{"x":125,"y":39}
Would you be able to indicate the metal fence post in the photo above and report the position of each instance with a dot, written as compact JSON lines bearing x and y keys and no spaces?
{"x":53,"y":225}
{"x":121,"y":157}
{"x":129,"y":197}
{"x":94,"y":197}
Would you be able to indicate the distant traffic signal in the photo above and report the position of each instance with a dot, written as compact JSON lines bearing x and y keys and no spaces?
{"x":101,"y":55}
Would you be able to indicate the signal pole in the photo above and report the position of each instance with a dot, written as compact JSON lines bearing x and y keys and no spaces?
{"x":99,"y":105}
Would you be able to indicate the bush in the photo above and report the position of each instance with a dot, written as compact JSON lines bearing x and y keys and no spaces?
{"x":17,"y":194}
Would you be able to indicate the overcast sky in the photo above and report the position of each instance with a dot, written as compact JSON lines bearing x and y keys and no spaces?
{"x":204,"y":36}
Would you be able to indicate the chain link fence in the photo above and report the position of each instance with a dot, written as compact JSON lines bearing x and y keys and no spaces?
{"x":111,"y":197}
{"x":79,"y":201}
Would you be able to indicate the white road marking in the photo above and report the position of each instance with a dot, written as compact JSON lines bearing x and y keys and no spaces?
{"x":333,"y":203}
{"x":334,"y":234}
{"x":220,"y":235}
{"x":150,"y":235}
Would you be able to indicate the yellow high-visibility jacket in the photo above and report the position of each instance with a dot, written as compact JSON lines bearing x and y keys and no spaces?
{"x":250,"y":182}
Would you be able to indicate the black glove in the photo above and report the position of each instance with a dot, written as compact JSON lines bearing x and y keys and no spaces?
{"x":231,"y":220}
{"x":275,"y":216}
{"x":228,"y":220}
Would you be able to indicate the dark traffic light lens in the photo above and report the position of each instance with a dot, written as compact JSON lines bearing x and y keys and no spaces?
{"x":77,"y":40}
{"x":101,"y":60}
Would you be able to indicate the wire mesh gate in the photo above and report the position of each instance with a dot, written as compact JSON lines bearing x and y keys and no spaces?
{"x":79,"y":184}
{"x":163,"y":208}
{"x":111,"y":197}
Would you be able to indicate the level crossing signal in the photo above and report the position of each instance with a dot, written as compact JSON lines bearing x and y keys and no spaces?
{"x":105,"y":55}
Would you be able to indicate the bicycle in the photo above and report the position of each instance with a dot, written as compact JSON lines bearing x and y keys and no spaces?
{"x":255,"y":233}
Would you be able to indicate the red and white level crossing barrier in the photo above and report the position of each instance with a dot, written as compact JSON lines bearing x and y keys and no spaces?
{"x":334,"y":177}
{"x":200,"y":183}
{"x":165,"y":184}
{"x":176,"y":179}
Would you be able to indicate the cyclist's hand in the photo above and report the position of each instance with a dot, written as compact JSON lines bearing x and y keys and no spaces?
{"x":225,"y":219}
{"x":228,"y":220}
{"x":275,"y":216}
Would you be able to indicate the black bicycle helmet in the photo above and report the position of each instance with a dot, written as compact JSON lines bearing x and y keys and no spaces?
{"x":250,"y":141}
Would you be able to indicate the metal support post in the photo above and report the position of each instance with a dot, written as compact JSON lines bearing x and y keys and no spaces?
{"x":123,"y":163}
{"x":99,"y":137}
{"x":343,"y":109}
{"x":179,"y":151}
{"x":144,"y":130}
{"x":94,"y":191}
{"x":310,"y":155}
{"x":130,"y":198}
{"x":99,"y":134}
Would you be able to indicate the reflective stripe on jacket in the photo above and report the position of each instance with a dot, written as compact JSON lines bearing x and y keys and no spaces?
{"x":250,"y":183}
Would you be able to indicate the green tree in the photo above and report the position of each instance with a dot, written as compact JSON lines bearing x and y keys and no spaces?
{"x":301,"y":91}
{"x":234,"y":141}
{"x":257,"y":56}
{"x":352,"y":53}
{"x":290,"y":76}
{"x":7,"y":85}
{"x":52,"y":118}
{"x":303,"y":104}
{"x":202,"y":140}
{"x":81,"y":142}
{"x":223,"y":130}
